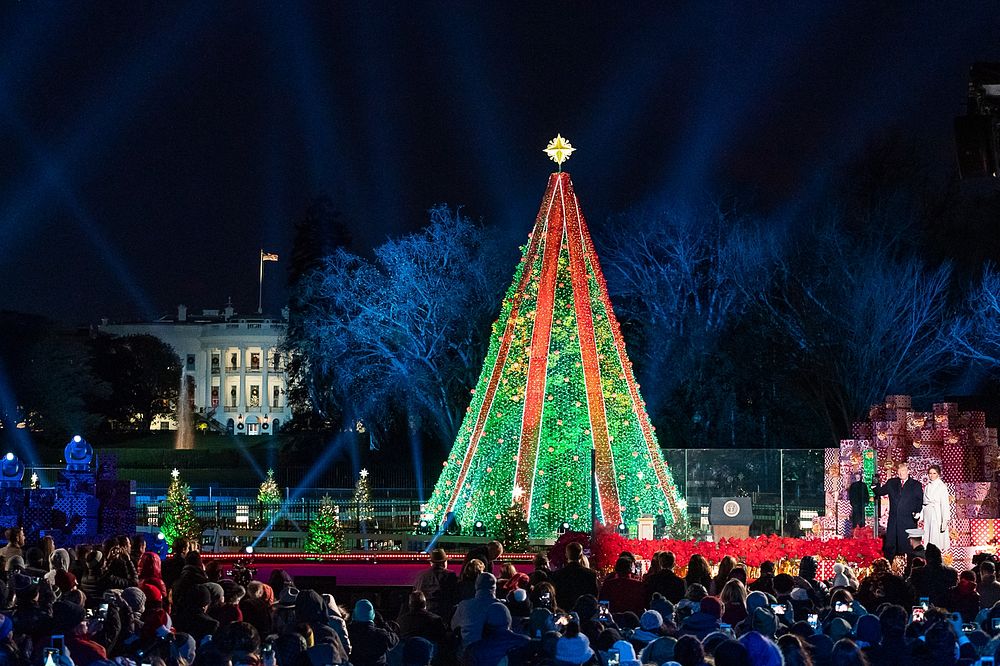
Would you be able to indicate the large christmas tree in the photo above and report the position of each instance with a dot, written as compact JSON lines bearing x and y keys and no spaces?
{"x":556,"y":384}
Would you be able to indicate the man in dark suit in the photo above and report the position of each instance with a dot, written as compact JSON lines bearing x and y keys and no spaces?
{"x":665,"y":581}
{"x":574,"y":580}
{"x":857,"y":493}
{"x":906,"y":498}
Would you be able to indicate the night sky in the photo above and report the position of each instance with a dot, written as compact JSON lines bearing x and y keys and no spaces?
{"x":150,"y":149}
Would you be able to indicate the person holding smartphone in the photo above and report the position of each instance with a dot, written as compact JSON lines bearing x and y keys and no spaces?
{"x":70,"y":621}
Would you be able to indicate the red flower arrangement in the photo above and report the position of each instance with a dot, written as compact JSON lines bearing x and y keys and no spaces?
{"x":606,"y":545}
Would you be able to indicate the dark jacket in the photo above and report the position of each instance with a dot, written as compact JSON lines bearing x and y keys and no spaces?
{"x":933,"y":581}
{"x":964,"y":599}
{"x":369,"y":644}
{"x":422,"y":623}
{"x":197,"y":624}
{"x":904,"y":501}
{"x":667,"y":583}
{"x":171,"y":569}
{"x":699,"y":625}
{"x":624,"y":594}
{"x":497,"y":644}
{"x":572,"y":582}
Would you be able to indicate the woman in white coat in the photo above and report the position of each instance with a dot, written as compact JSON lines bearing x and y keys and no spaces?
{"x":936,"y":510}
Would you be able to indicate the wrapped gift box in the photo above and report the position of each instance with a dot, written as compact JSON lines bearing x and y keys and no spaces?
{"x":904,"y":402}
{"x":861,"y":430}
{"x":960,"y":557}
{"x":984,"y":531}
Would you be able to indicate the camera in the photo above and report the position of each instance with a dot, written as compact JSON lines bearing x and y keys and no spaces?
{"x":243,"y":571}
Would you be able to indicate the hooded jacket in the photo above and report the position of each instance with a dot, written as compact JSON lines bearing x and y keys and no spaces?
{"x":470,"y":615}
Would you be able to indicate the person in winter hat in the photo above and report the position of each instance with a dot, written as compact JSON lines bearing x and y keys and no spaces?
{"x":649,"y":630}
{"x":574,"y":647}
{"x":763,"y":651}
{"x":626,"y":654}
{"x":470,"y":615}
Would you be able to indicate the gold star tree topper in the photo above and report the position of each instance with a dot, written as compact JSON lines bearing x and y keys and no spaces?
{"x":559,"y":150}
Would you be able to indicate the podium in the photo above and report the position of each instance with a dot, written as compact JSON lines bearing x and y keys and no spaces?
{"x":645,"y":528}
{"x":730,"y":517}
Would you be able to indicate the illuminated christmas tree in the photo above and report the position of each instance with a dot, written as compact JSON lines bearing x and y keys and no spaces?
{"x":269,"y":492}
{"x":363,"y":502}
{"x":556,"y":384}
{"x":178,"y":514}
{"x":325,"y":534}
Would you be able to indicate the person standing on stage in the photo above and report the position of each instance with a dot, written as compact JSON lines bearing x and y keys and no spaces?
{"x":936,"y":510}
{"x":857,"y":493}
{"x":906,"y":498}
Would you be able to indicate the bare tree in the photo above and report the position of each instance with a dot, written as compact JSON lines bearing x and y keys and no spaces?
{"x":405,"y":333}
{"x":976,"y":331}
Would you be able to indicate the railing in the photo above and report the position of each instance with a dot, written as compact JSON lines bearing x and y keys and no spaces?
{"x":231,"y":408}
{"x":394,"y":515}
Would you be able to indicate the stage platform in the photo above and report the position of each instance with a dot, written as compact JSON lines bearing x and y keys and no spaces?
{"x":361,"y":569}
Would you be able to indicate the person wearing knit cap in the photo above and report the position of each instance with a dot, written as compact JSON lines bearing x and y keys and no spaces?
{"x":64,"y":581}
{"x":659,"y":651}
{"x":369,"y":643}
{"x":626,"y":653}
{"x":650,"y":628}
{"x":15,"y":564}
{"x":712,"y":641}
{"x":470,"y":615}
{"x":70,"y":620}
{"x":731,"y":652}
{"x":763,"y":651}
{"x":417,"y":652}
{"x":574,"y":647}
{"x":764,"y":622}
{"x":135,"y":599}
{"x":498,"y":640}
{"x":838,"y":628}
{"x":868,"y":631}
{"x":705,"y":621}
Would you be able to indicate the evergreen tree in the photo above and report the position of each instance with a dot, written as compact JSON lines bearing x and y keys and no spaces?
{"x":269,"y":492}
{"x":325,"y":534}
{"x":178,"y":514}
{"x":512,"y":530}
{"x":363,"y":502}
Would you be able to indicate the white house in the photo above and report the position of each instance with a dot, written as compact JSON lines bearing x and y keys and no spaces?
{"x":234,"y":370}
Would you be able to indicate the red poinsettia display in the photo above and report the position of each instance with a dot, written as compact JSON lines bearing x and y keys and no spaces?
{"x":606,"y":545}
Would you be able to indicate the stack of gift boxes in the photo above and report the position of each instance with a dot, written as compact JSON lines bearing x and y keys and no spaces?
{"x":959,"y":442}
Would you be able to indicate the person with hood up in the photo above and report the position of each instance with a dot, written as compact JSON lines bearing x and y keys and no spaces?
{"x":149,"y":572}
{"x":626,"y":654}
{"x":764,"y":622}
{"x":58,"y":561}
{"x":470,"y":615}
{"x":689,"y":651}
{"x":705,"y":621}
{"x":659,"y":651}
{"x":763,"y":651}
{"x":369,"y":643}
{"x":311,"y":609}
{"x":70,"y":620}
{"x":573,"y":648}
{"x":337,"y":621}
{"x":498,"y":640}
{"x":191,"y":576}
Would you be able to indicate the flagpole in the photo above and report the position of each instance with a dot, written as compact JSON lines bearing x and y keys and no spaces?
{"x":260,"y":284}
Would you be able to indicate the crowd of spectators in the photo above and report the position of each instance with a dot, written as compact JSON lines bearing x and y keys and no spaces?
{"x":116,"y":603}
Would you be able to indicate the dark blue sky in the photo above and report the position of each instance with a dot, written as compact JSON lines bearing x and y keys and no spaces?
{"x":150,"y":149}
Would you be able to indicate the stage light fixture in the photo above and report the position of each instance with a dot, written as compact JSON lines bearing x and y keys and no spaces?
{"x":249,"y":550}
{"x":77,"y":439}
{"x":160,"y":536}
{"x":564,"y":528}
{"x":9,"y":456}
{"x":622,"y":529}
{"x":479,"y":529}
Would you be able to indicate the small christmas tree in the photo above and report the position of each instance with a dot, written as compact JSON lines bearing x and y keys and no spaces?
{"x":269,"y":492}
{"x":363,"y":503}
{"x":178,"y":514}
{"x":325,"y":534}
{"x":512,"y":530}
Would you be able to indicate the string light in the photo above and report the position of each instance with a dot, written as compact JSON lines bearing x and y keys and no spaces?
{"x":556,"y":383}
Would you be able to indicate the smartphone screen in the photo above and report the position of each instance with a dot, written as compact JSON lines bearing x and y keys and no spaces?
{"x":996,"y":623}
{"x":924,"y":602}
{"x":813,"y":620}
{"x":614,"y":657}
{"x":841,"y":607}
{"x":57,"y":642}
{"x":918,"y":614}
{"x":778,"y":609}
